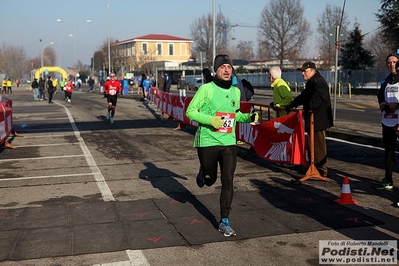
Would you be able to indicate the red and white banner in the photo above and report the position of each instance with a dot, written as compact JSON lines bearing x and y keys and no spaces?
{"x":6,"y":124}
{"x":281,"y":140}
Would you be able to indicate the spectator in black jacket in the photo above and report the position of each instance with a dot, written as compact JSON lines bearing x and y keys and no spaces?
{"x":35,"y":87}
{"x":207,"y":75}
{"x":42,"y":94}
{"x":167,"y":83}
{"x":91,"y":84}
{"x":50,"y":89}
{"x":316,"y":98}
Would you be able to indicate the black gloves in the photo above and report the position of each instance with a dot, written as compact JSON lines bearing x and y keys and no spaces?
{"x":254,"y":116}
{"x":289,"y":107}
{"x":272,"y":105}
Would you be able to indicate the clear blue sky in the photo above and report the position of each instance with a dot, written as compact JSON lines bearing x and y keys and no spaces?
{"x":24,"y":22}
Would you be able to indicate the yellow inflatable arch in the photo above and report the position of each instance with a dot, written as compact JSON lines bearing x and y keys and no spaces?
{"x":51,"y":69}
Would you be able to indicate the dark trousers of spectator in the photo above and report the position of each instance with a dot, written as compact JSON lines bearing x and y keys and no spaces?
{"x":50,"y":97}
{"x":320,"y":152}
{"x":9,"y":90}
{"x":42,"y":95}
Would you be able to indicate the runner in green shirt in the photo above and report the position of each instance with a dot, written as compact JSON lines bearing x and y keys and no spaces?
{"x":63,"y":82}
{"x":215,"y":107}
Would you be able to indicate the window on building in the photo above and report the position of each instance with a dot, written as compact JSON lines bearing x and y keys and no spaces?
{"x":159,"y":48}
{"x":144,"y":48}
{"x":182,"y":49}
{"x":171,"y":49}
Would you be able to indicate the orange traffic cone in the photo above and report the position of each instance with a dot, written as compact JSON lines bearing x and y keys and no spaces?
{"x":346,"y":195}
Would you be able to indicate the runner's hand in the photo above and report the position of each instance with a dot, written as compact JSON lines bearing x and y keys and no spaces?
{"x":216,"y":122}
{"x":254,"y":116}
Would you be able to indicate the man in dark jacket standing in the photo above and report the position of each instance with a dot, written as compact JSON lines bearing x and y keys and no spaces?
{"x":316,"y":98}
{"x":35,"y":87}
{"x":167,"y":82}
{"x":42,"y":94}
{"x":50,"y":89}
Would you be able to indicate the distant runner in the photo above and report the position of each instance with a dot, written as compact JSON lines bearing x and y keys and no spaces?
{"x":111,"y":88}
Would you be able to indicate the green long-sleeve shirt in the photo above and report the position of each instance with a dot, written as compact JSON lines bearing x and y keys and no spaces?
{"x":209,"y":101}
{"x":282,"y":96}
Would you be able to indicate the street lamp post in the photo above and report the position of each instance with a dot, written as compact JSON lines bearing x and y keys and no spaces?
{"x":74,"y":35}
{"x":42,"y":57}
{"x":108,"y":39}
{"x":60,"y":45}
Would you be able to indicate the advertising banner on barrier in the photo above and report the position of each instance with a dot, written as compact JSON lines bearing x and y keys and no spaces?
{"x":281,"y":140}
{"x":6,"y":124}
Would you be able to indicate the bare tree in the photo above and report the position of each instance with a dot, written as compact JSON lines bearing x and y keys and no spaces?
{"x":245,"y":50}
{"x":79,"y":65}
{"x":326,"y":21}
{"x":283,"y":28}
{"x":2,"y":62}
{"x":263,"y":51}
{"x":49,"y":56}
{"x":146,"y":62}
{"x":16,"y":62}
{"x":378,"y":48}
{"x":35,"y":62}
{"x":98,"y":60}
{"x":201,"y":33}
{"x":113,"y":54}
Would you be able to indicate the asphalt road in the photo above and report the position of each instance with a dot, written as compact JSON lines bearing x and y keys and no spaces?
{"x":72,"y":171}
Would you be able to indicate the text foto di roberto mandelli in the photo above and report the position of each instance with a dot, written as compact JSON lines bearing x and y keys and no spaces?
{"x":357,"y":251}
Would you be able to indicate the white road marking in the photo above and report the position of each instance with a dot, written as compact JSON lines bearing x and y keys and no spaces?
{"x":47,"y":135}
{"x":352,"y":109}
{"x":100,"y":180}
{"x":41,"y":158}
{"x":136,"y":258}
{"x":43,"y":177}
{"x":356,"y":144}
{"x":45,"y":145}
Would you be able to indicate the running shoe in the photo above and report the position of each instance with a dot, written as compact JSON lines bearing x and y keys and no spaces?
{"x":108,"y":116}
{"x":200,"y":178}
{"x":111,"y":120}
{"x":384,"y":185}
{"x":225,"y":228}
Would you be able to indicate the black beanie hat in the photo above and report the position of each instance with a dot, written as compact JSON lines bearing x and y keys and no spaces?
{"x":221,"y":59}
{"x":392,"y":54}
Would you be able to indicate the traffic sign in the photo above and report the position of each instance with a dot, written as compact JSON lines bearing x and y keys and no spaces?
{"x":332,"y":33}
{"x":200,"y":57}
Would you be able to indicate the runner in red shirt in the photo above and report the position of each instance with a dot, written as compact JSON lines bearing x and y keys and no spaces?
{"x":68,"y":91}
{"x":111,"y":88}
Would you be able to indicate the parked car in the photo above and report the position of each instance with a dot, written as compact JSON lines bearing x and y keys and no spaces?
{"x":195,"y":84}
